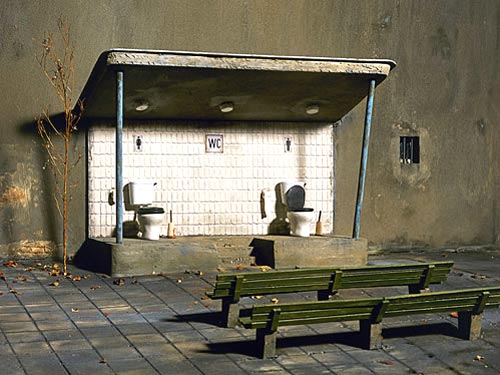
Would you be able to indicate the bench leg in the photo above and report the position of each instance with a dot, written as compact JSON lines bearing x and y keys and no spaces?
{"x":371,"y":334}
{"x":325,"y":295}
{"x":266,"y":343}
{"x":469,"y":325}
{"x":230,"y":313}
{"x":417,"y":289}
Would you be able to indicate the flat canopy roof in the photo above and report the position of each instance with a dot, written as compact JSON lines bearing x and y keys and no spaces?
{"x":189,"y":85}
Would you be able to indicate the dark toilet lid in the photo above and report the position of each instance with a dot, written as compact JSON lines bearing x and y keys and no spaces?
{"x":295,"y":198}
{"x":151,"y":210}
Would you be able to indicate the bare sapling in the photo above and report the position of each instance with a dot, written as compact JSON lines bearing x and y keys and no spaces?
{"x":57,"y":62}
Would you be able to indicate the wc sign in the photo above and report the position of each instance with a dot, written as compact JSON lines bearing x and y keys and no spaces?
{"x":214,"y":143}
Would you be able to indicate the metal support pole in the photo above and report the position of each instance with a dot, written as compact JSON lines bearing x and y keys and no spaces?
{"x":119,"y":157}
{"x":364,"y":158}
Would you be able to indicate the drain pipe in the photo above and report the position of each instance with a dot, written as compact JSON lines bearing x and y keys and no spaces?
{"x":119,"y":157}
{"x":364,"y":158}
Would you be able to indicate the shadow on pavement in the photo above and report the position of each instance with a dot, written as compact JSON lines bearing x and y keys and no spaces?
{"x":352,"y":339}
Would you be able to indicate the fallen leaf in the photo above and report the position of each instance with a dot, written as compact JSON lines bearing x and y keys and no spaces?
{"x":179,"y":281}
{"x":55,"y":283}
{"x":10,"y":263}
{"x":104,"y":276}
{"x":54,"y":272}
{"x":86,"y":277}
{"x":256,"y":297}
{"x":13,"y":291}
{"x":199,"y":273}
{"x":478,"y":276}
{"x":205,"y":298}
{"x":77,"y":278}
{"x":239,"y":267}
{"x":38,"y":264}
{"x":134,"y":282}
{"x":102,"y":360}
{"x":1,"y":273}
{"x":95,"y":287}
{"x":275,"y":300}
{"x":454,"y":314}
{"x":106,"y":314}
{"x":479,"y":358}
{"x":265,"y":268}
{"x":75,"y":310}
{"x":119,"y":281}
{"x":55,"y":266}
{"x":388,"y":363}
{"x":29,"y":269}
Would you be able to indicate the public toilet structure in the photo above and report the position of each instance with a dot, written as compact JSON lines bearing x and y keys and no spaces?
{"x":217,"y":133}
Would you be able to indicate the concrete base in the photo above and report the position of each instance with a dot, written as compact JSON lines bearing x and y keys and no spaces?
{"x":317,"y":251}
{"x":136,"y":257}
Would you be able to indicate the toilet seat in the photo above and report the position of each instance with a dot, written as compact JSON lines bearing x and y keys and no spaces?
{"x":150,"y":210}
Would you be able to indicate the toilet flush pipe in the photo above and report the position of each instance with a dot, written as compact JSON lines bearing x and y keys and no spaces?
{"x":119,"y":157}
{"x":364,"y":158}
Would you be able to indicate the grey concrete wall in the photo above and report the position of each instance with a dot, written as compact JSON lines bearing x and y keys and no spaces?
{"x":445,"y":90}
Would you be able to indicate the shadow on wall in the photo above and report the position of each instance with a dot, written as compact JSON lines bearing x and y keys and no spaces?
{"x":51,"y":225}
{"x":131,"y":228}
{"x":279,"y":225}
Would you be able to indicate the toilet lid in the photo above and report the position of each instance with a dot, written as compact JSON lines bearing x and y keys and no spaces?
{"x":151,"y":210}
{"x":295,"y":198}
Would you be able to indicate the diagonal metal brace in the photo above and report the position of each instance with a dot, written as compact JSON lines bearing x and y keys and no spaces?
{"x":238,"y":282}
{"x":429,"y":271}
{"x":482,"y":300}
{"x":379,"y":311}
{"x":275,"y":319}
{"x":334,"y":284}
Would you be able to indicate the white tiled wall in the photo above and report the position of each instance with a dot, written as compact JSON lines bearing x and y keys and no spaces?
{"x":212,"y":193}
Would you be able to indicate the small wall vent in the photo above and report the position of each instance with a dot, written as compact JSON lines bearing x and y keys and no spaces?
{"x":409,"y":150}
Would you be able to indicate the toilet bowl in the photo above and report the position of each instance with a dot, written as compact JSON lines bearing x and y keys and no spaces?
{"x":141,"y":194}
{"x":299,"y":217}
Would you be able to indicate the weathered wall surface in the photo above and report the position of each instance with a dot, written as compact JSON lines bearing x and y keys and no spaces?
{"x":444,"y":89}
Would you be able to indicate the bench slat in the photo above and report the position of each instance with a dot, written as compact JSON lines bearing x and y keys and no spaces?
{"x":250,"y":287}
{"x":272,"y":274}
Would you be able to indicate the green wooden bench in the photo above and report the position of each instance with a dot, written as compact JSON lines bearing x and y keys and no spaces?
{"x":469,"y":303}
{"x":325,"y":281}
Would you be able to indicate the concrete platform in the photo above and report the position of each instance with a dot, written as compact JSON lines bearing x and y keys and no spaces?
{"x":208,"y":253}
{"x":164,"y":324}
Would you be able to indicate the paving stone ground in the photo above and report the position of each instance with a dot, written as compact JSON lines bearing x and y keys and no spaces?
{"x":163,"y":324}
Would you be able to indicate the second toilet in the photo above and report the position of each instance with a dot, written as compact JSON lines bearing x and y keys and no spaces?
{"x":293,"y":196}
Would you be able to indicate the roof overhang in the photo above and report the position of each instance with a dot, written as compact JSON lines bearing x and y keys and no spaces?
{"x":189,"y":85}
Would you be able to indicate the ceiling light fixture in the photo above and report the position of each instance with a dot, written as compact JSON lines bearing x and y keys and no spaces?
{"x":312,"y":109}
{"x":226,"y":107}
{"x":142,"y":106}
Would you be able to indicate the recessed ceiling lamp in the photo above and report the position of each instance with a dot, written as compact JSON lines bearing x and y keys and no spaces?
{"x":142,"y":106}
{"x":226,"y":107}
{"x":312,"y":109}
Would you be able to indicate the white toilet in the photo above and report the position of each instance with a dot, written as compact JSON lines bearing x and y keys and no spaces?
{"x":293,"y":196}
{"x":141,"y":196}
